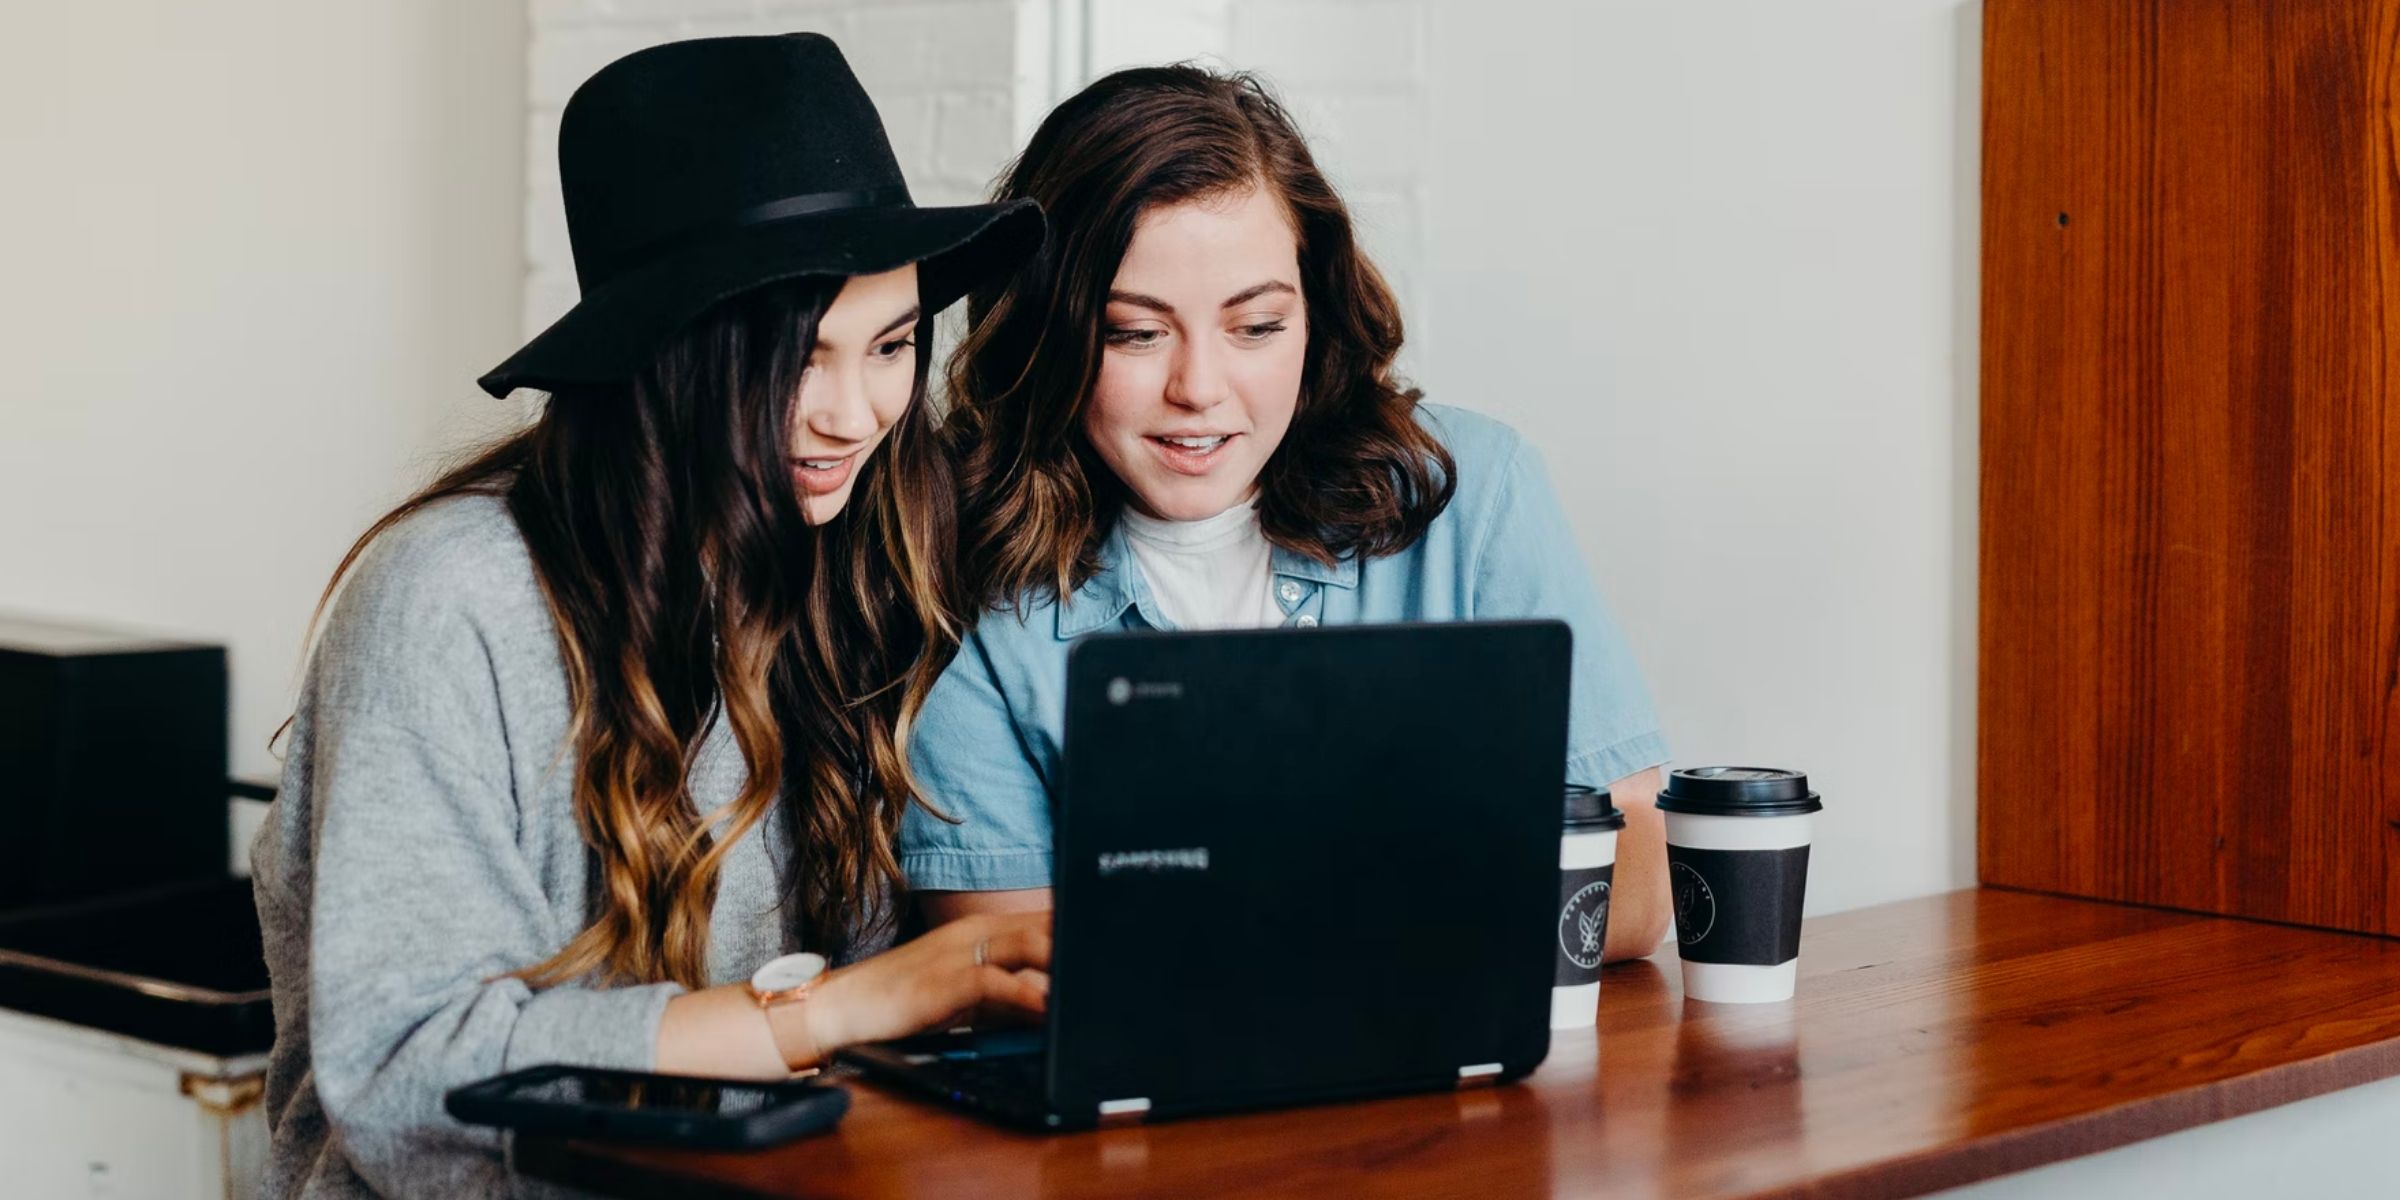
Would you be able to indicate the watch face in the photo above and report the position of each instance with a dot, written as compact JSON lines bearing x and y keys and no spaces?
{"x":790,"y":971}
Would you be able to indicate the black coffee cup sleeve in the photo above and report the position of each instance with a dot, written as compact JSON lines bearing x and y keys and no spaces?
{"x":1738,"y":907}
{"x":1582,"y":923}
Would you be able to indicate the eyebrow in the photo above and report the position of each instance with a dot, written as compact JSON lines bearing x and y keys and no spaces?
{"x":914,"y":311}
{"x":1244,"y":296}
{"x":1254,"y":291}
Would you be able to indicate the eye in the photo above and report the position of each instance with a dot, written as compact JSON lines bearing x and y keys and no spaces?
{"x":1261,"y":331}
{"x":1134,"y":338}
{"x":895,"y":348}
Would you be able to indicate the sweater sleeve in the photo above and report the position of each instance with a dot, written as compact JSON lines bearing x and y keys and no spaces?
{"x":420,"y":909}
{"x":411,"y":898}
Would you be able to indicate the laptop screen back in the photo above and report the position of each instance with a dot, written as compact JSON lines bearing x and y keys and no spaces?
{"x":1301,"y":864}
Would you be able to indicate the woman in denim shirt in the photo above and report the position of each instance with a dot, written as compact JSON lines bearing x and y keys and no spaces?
{"x":1183,"y":415}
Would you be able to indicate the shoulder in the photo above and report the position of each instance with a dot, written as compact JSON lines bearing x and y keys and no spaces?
{"x":1481,"y":445}
{"x":455,"y":558}
{"x":441,"y":593}
{"x":1012,"y":638}
{"x":1491,"y":458}
{"x":458,"y":540}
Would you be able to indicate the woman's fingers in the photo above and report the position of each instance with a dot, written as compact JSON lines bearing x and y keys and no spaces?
{"x":1022,"y":993}
{"x":1011,"y":972}
{"x":1017,"y":941}
{"x":933,"y":982}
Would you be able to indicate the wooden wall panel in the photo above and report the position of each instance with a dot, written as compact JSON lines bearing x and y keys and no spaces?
{"x":2190,"y":641}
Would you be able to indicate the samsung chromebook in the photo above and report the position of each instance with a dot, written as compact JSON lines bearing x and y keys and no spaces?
{"x":1292,"y":866}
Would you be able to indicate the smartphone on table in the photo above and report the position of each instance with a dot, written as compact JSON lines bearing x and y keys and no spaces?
{"x":679,"y":1110}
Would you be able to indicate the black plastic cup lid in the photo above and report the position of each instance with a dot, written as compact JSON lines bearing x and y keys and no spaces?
{"x":1590,"y":810}
{"x":1738,"y":792}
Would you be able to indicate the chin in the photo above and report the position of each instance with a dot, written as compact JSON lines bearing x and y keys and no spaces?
{"x":817,"y":510}
{"x":1189,"y":503}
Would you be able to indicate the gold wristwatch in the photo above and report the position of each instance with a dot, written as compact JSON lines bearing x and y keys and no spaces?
{"x":783,"y":983}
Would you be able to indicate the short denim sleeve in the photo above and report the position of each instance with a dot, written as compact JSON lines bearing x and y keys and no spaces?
{"x":973,"y":766}
{"x":1528,"y":565}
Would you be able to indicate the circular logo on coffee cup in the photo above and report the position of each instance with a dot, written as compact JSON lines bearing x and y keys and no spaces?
{"x":1582,"y":923}
{"x":1120,"y":690}
{"x":1695,"y":904}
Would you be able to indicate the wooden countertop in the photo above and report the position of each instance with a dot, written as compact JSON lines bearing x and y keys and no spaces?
{"x":1934,"y":1042}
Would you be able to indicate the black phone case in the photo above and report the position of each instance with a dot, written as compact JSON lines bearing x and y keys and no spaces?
{"x":801,"y":1108}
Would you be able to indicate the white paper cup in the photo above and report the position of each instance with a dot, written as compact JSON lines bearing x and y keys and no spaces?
{"x":1587,"y":868}
{"x":1738,"y":875}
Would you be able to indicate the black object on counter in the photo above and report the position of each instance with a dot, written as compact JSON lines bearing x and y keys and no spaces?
{"x":181,"y":965}
{"x":676,"y":1110}
{"x":112,"y":762}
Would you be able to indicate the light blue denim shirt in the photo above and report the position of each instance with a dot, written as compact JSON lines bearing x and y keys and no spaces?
{"x":988,"y":744}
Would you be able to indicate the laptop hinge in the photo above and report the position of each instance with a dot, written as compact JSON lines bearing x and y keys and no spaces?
{"x":1479,"y":1075}
{"x":1124,"y":1112}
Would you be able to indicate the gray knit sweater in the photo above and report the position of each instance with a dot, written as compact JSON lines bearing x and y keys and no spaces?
{"x":425,"y":844}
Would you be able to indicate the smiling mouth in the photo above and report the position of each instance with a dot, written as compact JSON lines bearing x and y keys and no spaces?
{"x":1190,"y":455}
{"x":819,"y":476}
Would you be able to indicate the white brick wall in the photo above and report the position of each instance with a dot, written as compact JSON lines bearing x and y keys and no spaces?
{"x":945,"y":74}
{"x":1354,"y":73}
{"x":1130,"y":33}
{"x":961,"y":82}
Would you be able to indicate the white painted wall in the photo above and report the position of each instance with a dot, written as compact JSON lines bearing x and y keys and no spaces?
{"x":1717,"y":259}
{"x":257,"y":251}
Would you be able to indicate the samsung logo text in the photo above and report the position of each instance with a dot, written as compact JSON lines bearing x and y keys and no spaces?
{"x":1123,"y":691}
{"x":1118,"y":862}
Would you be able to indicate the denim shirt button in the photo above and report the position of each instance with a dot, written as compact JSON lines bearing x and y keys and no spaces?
{"x":1288,"y":591}
{"x":1306,"y":621}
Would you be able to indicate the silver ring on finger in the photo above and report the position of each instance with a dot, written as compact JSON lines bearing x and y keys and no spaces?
{"x":983,"y":949}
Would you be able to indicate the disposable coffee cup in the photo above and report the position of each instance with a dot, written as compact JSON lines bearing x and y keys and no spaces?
{"x":1587,"y":865}
{"x":1737,"y":866}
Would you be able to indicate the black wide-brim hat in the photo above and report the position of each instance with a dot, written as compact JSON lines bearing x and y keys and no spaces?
{"x":695,"y":171}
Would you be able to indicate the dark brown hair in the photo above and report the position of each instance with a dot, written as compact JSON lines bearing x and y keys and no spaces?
{"x":684,"y":580}
{"x":1355,"y":474}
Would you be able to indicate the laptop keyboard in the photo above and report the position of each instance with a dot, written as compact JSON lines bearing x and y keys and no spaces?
{"x":997,"y":1071}
{"x":1007,"y":1077}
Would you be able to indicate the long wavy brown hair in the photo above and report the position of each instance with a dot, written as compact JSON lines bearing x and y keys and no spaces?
{"x":1355,"y":475}
{"x":686,"y":585}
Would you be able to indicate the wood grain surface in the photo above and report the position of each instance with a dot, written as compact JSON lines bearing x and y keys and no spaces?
{"x":1934,"y":1042}
{"x":2191,"y":487}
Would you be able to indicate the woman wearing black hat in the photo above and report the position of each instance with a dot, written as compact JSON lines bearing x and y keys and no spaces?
{"x":606,"y":724}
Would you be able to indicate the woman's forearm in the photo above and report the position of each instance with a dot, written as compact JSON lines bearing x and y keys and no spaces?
{"x":719,"y":1032}
{"x":1639,"y":905}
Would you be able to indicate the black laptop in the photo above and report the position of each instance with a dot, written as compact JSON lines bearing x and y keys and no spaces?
{"x":1292,"y":866}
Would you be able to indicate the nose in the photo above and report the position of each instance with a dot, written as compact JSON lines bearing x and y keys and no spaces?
{"x":1198,"y":382}
{"x":834,"y":404}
